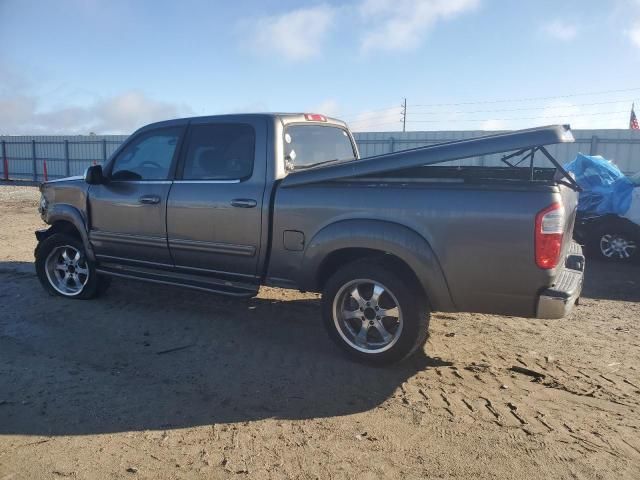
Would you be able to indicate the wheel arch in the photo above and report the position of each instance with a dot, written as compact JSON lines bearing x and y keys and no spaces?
{"x":401,"y":247}
{"x":67,"y":219}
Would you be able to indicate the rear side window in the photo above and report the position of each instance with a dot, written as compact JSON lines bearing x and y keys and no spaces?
{"x":148,"y":156}
{"x":309,"y":145}
{"x":220,"y":152}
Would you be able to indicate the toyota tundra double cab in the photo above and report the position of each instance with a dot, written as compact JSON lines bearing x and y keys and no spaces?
{"x":228,"y":203}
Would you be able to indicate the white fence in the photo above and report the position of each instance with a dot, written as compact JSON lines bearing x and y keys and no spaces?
{"x":47,"y":157}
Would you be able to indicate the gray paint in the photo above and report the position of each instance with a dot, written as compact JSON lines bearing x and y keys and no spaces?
{"x":471,"y":246}
{"x":201,"y":216}
{"x":122,"y":226}
{"x":453,"y":235}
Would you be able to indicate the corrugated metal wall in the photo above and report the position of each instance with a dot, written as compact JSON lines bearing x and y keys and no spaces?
{"x":23,"y":157}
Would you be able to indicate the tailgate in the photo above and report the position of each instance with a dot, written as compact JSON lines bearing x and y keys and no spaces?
{"x":569,"y":200}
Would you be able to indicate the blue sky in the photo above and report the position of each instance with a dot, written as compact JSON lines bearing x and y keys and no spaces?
{"x":109,"y":66}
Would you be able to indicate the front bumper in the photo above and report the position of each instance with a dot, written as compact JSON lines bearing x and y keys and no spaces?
{"x":558,"y":300}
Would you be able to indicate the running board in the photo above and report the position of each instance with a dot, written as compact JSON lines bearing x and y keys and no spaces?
{"x":196,"y":282}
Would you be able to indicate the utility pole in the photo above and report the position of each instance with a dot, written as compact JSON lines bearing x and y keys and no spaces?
{"x":404,"y":115}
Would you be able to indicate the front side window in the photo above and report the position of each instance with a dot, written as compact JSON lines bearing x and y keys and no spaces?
{"x":148,"y":156}
{"x":312,"y":145}
{"x":220,"y":152}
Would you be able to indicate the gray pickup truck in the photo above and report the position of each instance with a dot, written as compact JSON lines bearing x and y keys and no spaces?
{"x":228,"y":203}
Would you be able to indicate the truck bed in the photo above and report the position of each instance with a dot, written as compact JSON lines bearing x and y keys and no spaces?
{"x":475,"y":220}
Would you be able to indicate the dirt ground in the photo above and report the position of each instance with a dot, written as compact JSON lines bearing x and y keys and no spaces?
{"x":157,"y":382}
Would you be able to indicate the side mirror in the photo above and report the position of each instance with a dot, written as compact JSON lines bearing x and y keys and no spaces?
{"x":93,"y":175}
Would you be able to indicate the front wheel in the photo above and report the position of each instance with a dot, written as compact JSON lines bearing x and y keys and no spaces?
{"x":64,"y":269}
{"x":374,"y":313}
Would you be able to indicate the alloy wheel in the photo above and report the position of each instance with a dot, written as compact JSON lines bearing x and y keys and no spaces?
{"x":367,"y":316}
{"x":67,"y":270}
{"x":617,"y":246}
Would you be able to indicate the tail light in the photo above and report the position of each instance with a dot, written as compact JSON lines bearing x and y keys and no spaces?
{"x":548,"y":238}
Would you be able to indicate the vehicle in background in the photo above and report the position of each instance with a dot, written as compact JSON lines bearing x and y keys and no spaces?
{"x":610,"y":236}
{"x":228,"y":203}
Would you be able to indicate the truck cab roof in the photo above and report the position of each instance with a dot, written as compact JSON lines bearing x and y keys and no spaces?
{"x":282,"y":117}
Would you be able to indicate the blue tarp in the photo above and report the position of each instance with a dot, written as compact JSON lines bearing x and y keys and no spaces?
{"x":605,"y":189}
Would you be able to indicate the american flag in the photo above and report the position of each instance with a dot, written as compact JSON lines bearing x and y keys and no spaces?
{"x":633,"y":120}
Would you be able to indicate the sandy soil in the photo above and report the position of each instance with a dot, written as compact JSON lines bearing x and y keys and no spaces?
{"x":157,"y":382}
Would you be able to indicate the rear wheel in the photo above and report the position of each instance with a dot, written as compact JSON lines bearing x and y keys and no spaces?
{"x":373,"y":313}
{"x":64,"y":269}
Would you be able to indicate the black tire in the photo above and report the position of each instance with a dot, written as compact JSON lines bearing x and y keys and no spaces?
{"x":104,"y":282}
{"x":601,"y":237}
{"x":95,"y":284}
{"x":410,"y":299}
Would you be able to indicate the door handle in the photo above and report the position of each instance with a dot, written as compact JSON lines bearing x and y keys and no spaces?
{"x":149,"y":199}
{"x":243,"y":202}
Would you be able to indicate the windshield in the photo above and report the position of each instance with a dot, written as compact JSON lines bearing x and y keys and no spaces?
{"x":635,"y":178}
{"x":308,"y":146}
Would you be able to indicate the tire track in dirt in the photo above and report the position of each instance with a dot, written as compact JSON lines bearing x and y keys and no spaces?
{"x":263,"y":394}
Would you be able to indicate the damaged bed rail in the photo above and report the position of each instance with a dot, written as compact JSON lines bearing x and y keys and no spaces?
{"x":519,"y":140}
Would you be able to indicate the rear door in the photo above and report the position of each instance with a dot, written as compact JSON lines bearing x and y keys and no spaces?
{"x":214,"y":211}
{"x":128,"y":212}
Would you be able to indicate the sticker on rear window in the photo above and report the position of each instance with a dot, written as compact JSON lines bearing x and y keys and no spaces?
{"x":287,"y":138}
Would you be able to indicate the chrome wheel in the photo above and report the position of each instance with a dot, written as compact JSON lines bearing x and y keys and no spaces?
{"x":67,"y":270}
{"x":616,"y":246}
{"x":367,"y":316}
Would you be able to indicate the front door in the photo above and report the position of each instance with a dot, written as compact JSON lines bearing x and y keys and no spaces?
{"x":128,"y":212}
{"x":214,"y":211}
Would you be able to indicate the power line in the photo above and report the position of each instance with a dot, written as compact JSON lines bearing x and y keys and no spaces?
{"x":520,"y":118}
{"x":391,"y":123}
{"x":440,"y":112}
{"x":570,"y":115}
{"x":529,"y":99}
{"x":480,"y":102}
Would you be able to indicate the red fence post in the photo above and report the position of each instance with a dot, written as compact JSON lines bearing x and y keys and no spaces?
{"x":5,"y":161}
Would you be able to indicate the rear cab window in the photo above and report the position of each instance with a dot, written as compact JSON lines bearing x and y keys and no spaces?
{"x":220,"y":152}
{"x":307,"y":146}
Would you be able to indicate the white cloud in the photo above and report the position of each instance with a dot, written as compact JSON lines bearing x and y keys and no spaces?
{"x":634,"y":35}
{"x":329,"y":107}
{"x":560,"y":30}
{"x":295,"y":35}
{"x":402,"y":24}
{"x":21,"y":114}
